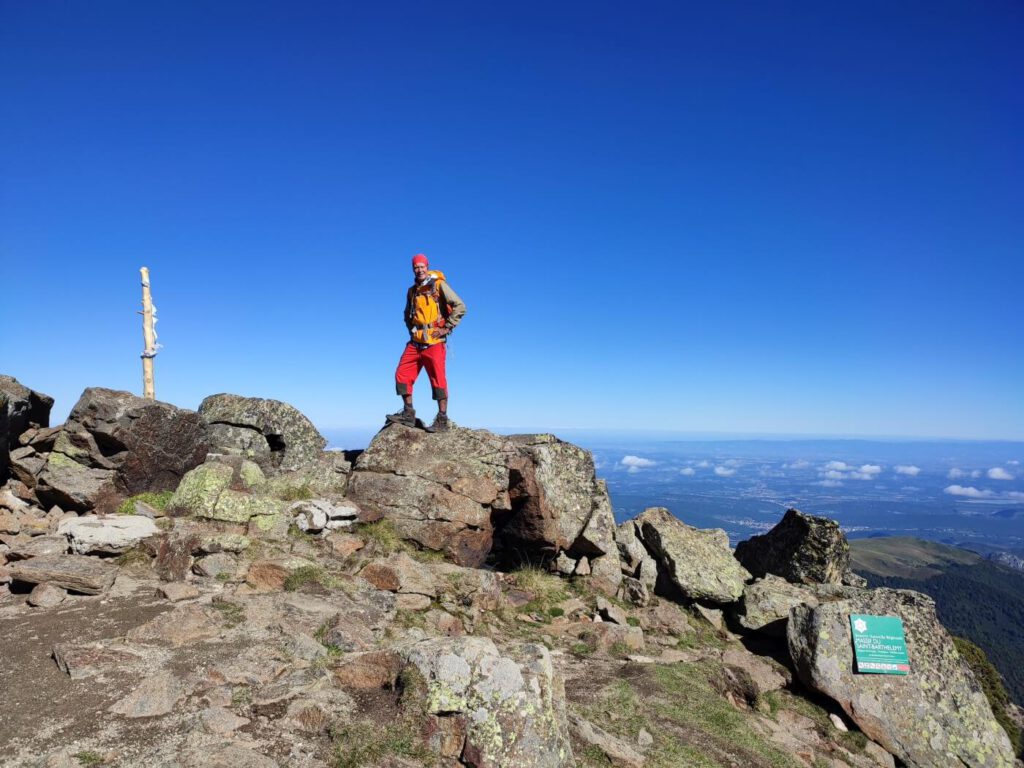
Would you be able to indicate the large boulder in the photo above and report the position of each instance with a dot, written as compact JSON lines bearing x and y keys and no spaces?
{"x":496,"y":709}
{"x":934,"y":717}
{"x":468,"y":492}
{"x":804,"y":549}
{"x":274,"y":434}
{"x":25,"y":408}
{"x":20,"y":409}
{"x":695,"y":562}
{"x":134,"y":444}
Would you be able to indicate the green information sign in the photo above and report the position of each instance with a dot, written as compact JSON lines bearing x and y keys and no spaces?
{"x":879,"y":644}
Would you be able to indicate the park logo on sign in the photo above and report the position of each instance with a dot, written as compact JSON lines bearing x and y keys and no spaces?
{"x":879,"y":645}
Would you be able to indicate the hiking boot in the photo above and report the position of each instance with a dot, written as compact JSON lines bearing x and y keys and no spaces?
{"x":440,"y":423}
{"x":406,"y":416}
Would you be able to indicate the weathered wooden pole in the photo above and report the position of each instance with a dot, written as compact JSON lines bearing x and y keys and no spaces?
{"x":149,"y":336}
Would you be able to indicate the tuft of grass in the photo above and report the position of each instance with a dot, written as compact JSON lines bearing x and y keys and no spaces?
{"x":853,"y":740}
{"x":633,"y":621}
{"x":556,"y":611}
{"x":382,"y":535}
{"x":157,"y":500}
{"x":89,"y":758}
{"x":547,"y":589}
{"x":691,"y":722}
{"x":232,"y":613}
{"x":582,"y":649}
{"x":307,"y":574}
{"x":360,"y":743}
{"x":620,"y":650}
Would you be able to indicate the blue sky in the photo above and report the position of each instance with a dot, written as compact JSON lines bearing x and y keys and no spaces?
{"x":739,"y":218}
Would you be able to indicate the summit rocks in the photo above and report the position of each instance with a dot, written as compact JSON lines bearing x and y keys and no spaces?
{"x":803,"y":549}
{"x":469,"y":493}
{"x":272,"y":433}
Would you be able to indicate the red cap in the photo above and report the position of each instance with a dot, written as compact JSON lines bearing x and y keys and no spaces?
{"x":420,"y":258}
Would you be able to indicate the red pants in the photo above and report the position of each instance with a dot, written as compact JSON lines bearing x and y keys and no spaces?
{"x":414,"y":360}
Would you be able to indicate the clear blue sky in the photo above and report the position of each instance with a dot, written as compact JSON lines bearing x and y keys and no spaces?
{"x":764,"y":217}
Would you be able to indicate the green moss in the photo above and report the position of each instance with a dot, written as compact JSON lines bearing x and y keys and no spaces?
{"x":633,"y":621}
{"x":88,"y":758}
{"x":158,"y":500}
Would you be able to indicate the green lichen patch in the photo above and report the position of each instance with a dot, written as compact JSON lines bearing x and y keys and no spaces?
{"x":158,"y":500}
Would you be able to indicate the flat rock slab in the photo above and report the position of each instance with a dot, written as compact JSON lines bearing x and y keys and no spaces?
{"x":76,"y":573}
{"x":83,"y":660}
{"x":154,"y":696}
{"x":109,"y":535}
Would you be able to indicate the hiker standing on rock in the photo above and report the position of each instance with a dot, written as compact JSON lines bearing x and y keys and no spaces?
{"x":432,"y":310}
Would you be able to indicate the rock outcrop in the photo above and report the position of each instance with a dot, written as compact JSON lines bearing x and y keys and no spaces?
{"x":274,"y":434}
{"x":694,"y":562}
{"x":21,"y":409}
{"x":804,"y":549}
{"x":470,"y":493}
{"x":122,"y":443}
{"x":934,"y":717}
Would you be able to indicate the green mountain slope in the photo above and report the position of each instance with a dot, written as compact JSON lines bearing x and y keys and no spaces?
{"x":975,"y":598}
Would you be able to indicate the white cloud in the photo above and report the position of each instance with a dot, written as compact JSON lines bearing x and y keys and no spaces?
{"x":688,"y":471}
{"x":703,"y":464}
{"x":956,"y":474}
{"x":969,"y":492}
{"x":1013,"y":463}
{"x":840,"y":466}
{"x":833,"y":475}
{"x":724,"y":471}
{"x":731,"y":463}
{"x":801,"y":464}
{"x":866,"y":472}
{"x":998,"y":473}
{"x":636,"y":461}
{"x":907,"y":469}
{"x":1016,"y":495}
{"x":830,"y":484}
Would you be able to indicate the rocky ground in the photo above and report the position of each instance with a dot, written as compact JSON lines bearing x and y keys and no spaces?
{"x":235,"y":596}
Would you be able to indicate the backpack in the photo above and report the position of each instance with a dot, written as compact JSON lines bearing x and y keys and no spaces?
{"x":427,"y":309}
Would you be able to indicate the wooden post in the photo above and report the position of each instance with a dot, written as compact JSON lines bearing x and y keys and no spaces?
{"x":149,"y":335}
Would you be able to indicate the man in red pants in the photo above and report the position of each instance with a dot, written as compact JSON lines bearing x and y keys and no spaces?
{"x":432,"y":310}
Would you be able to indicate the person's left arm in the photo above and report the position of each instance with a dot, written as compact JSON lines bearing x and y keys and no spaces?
{"x":456,"y":306}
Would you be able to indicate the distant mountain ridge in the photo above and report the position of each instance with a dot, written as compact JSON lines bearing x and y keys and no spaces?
{"x":975,"y":597}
